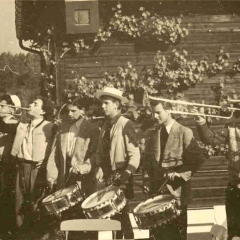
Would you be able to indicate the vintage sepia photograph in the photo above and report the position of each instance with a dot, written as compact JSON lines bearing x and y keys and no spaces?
{"x":120,"y":119}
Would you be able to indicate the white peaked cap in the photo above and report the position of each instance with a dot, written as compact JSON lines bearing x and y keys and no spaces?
{"x":16,"y":101}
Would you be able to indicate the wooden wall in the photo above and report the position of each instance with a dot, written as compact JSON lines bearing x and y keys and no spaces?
{"x":212,"y":25}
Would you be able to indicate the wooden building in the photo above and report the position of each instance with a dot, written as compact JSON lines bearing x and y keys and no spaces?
{"x":212,"y":25}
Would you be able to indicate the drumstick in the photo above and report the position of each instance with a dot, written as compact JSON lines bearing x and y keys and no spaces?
{"x":159,"y":190}
{"x":106,"y":189}
{"x":70,"y":173}
{"x":69,"y":176}
{"x":114,"y":177}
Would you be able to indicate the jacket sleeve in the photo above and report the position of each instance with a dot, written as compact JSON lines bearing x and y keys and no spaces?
{"x":52,"y":170}
{"x":93,"y":146}
{"x":8,"y":127}
{"x":132,"y":148}
{"x":211,"y":137}
{"x":193,"y":155}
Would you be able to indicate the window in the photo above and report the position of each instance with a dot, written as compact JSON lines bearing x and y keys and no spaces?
{"x":82,"y":17}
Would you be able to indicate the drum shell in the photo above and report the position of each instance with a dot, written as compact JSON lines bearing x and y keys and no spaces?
{"x":73,"y":195}
{"x":156,"y":217}
{"x":106,"y":209}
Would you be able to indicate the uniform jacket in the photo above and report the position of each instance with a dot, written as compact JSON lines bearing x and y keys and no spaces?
{"x":42,"y":136}
{"x":124,"y":152}
{"x":85,"y":148}
{"x":6,"y":138}
{"x":182,"y":155}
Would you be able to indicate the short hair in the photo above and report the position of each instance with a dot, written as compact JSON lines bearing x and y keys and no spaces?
{"x":47,"y":107}
{"x":7,"y":98}
{"x":113,"y":99}
{"x":165,"y":105}
{"x":80,"y":103}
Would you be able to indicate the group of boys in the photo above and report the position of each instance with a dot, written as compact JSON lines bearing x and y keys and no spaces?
{"x":38,"y":155}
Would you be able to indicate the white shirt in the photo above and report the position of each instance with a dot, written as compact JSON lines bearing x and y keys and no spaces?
{"x":25,"y":151}
{"x":72,"y":136}
{"x":169,"y":126}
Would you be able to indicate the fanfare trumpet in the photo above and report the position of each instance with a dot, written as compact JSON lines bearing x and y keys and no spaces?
{"x":12,"y":106}
{"x":179,"y":102}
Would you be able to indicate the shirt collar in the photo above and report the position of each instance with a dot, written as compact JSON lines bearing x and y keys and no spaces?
{"x":169,"y":126}
{"x":78,"y":122}
{"x":114,"y":120}
{"x":35,"y":122}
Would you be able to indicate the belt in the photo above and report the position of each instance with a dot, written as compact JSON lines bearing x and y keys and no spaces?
{"x":30,"y":162}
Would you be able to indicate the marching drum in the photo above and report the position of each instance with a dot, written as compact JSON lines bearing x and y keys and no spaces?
{"x":104,"y":203}
{"x":63,"y":199}
{"x":156,"y":211}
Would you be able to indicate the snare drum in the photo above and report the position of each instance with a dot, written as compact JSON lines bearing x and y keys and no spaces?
{"x":104,"y":203}
{"x":63,"y":199}
{"x":156,"y":211}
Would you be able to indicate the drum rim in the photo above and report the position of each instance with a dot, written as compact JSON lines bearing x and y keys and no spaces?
{"x":114,"y":211}
{"x":151,"y":200}
{"x":66,"y":198}
{"x":115,"y":208}
{"x":74,"y":186}
{"x":116,"y":190}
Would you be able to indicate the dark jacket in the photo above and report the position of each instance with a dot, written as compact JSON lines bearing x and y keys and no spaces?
{"x":182,"y":155}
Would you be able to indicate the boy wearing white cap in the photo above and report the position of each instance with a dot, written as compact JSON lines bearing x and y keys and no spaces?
{"x":7,"y":172}
{"x":30,"y":148}
{"x":118,"y":151}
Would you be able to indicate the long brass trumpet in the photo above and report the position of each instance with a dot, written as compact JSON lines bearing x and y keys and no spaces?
{"x":179,"y":102}
{"x":12,"y":106}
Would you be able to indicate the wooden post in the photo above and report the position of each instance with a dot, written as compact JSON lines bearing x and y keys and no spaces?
{"x":57,"y":54}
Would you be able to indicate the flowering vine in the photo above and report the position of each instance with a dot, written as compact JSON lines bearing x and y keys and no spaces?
{"x":172,"y":74}
{"x":177,"y":73}
{"x":235,"y":68}
{"x":218,"y":150}
{"x":147,"y":25}
{"x":220,"y":63}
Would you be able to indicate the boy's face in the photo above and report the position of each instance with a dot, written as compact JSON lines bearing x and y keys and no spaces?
{"x":35,"y":109}
{"x":5,"y":110}
{"x":160,"y":114}
{"x":74,"y":113}
{"x":109,"y":106}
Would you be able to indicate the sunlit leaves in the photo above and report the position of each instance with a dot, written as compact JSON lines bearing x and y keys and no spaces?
{"x":220,"y":63}
{"x":145,"y":24}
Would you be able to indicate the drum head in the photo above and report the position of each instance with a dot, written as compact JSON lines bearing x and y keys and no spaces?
{"x":153,"y":204}
{"x":59,"y":193}
{"x":99,"y":197}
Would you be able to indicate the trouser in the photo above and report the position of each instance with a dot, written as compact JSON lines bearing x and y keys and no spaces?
{"x":233,"y":211}
{"x":88,"y":185}
{"x":126,"y":225}
{"x":7,"y":214}
{"x":29,"y":192}
{"x":123,"y":217}
{"x":88,"y":182}
{"x":176,"y":229}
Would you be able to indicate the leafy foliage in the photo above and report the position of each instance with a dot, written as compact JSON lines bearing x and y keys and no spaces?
{"x":148,"y":26}
{"x":172,"y":74}
{"x":218,"y":150}
{"x":220,"y":63}
{"x":22,"y":77}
